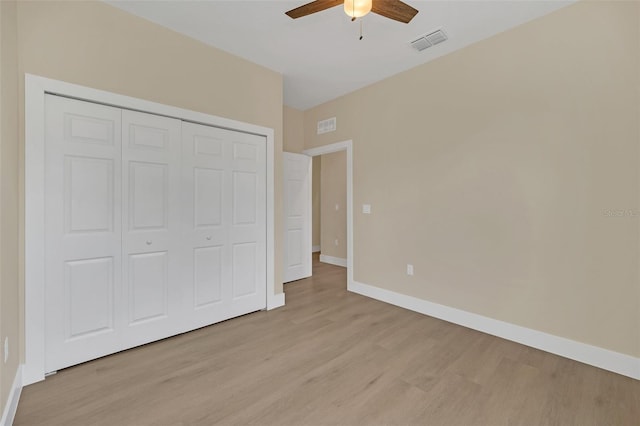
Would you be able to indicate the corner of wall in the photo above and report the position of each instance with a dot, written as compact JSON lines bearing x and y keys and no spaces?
{"x":11,"y":407}
{"x":9,"y":195}
{"x":293,"y":130}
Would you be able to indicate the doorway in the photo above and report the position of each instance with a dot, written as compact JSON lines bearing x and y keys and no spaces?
{"x":329,"y":149}
{"x":332,"y":185}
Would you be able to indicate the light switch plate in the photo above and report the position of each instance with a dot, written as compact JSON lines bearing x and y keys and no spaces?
{"x":366,"y":208}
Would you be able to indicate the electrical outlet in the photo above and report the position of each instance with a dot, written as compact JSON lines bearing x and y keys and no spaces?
{"x":337,"y":207}
{"x":335,"y":241}
{"x":6,"y":349}
{"x":409,"y":269}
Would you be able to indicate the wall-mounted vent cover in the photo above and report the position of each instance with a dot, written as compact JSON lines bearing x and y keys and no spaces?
{"x":429,"y":40}
{"x":326,"y":126}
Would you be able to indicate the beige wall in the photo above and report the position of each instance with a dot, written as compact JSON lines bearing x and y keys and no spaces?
{"x":293,"y":130}
{"x":96,"y":45}
{"x":9,"y":307}
{"x":294,"y":142}
{"x":333,"y":190}
{"x":316,"y":202}
{"x":491,"y":170}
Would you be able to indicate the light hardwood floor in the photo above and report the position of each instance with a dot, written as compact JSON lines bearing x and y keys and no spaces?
{"x":332,"y":357}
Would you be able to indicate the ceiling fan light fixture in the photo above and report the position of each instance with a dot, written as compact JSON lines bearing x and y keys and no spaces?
{"x":357,"y":8}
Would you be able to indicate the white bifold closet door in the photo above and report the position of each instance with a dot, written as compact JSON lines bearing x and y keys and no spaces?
{"x":83,"y":226}
{"x":224,"y":175}
{"x":153,"y":227}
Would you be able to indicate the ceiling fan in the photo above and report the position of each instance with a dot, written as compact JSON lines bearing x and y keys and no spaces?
{"x":392,"y":9}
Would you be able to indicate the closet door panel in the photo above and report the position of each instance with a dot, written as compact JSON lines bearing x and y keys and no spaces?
{"x":248,"y":225}
{"x":207,"y":279}
{"x":205,"y":158}
{"x":82,"y":231}
{"x":151,"y":231}
{"x":148,"y":286}
{"x":148,"y":196}
{"x":207,"y":203}
{"x":223,"y":189}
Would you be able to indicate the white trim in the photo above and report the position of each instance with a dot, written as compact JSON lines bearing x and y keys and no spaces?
{"x":582,"y":352}
{"x":338,"y":261}
{"x":315,"y":249}
{"x":276,"y":302}
{"x":328,"y":149}
{"x":35,"y":89}
{"x":10,"y":408}
{"x":34,"y":230}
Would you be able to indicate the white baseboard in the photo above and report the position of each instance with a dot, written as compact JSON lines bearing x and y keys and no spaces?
{"x":338,"y":261}
{"x":603,"y":358}
{"x":315,"y":249}
{"x":277,"y":302}
{"x":9,"y":412}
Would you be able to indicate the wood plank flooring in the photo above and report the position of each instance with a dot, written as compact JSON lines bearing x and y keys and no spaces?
{"x":330,"y":357}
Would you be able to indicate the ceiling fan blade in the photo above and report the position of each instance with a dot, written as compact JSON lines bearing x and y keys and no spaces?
{"x":394,"y":9}
{"x":313,"y":7}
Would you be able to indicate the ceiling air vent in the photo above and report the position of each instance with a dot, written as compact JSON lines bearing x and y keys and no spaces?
{"x":429,"y":40}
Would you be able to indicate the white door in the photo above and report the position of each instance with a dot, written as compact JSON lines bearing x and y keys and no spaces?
{"x":224,"y":175}
{"x":151,"y":227}
{"x":83,"y":229}
{"x":297,"y":206}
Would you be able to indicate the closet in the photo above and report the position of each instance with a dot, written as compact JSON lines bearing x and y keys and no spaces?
{"x":153,"y":226}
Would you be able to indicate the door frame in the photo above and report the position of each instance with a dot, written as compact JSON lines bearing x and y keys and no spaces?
{"x":34,"y":250}
{"x":329,"y":149}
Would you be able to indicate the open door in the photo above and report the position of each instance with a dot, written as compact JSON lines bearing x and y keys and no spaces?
{"x":297,"y":210}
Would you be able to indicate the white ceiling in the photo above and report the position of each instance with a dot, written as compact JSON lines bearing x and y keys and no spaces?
{"x":320,"y":55}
